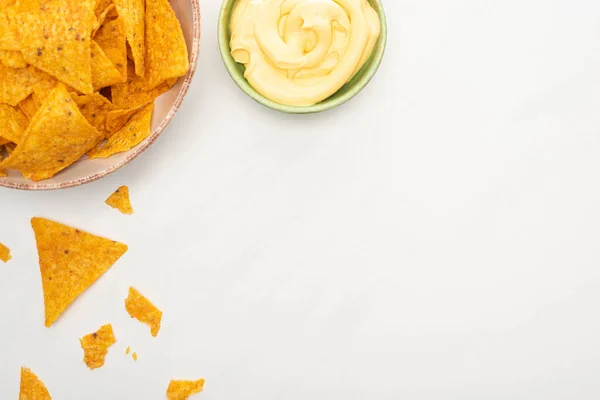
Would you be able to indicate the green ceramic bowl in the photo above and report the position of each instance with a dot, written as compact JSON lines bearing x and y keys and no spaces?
{"x":346,"y":92}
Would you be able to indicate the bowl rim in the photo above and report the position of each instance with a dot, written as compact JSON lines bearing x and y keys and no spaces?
{"x":194,"y":52}
{"x":357,"y":87}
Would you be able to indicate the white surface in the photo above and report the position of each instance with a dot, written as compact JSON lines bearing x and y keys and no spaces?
{"x":436,"y":238}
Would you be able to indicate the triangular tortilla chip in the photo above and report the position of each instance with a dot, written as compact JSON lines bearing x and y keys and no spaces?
{"x":9,"y":32}
{"x":143,"y":310}
{"x":28,"y":107}
{"x":132,"y":12}
{"x":57,"y":136}
{"x":181,"y":390}
{"x":166,"y":51}
{"x":17,"y":83}
{"x":70,"y":261}
{"x":133,"y":93}
{"x":12,"y":59}
{"x":95,"y":346}
{"x":104,"y":72}
{"x":111,"y":38}
{"x":95,"y":109}
{"x":55,"y":37}
{"x":12,"y":123}
{"x":32,"y":388}
{"x":117,"y":119}
{"x":101,"y":18}
{"x":120,"y":200}
{"x":132,"y":134}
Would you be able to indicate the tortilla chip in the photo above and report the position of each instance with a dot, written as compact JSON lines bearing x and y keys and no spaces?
{"x":12,"y":123}
{"x":70,"y":261}
{"x":95,"y":109}
{"x":120,"y":200}
{"x":4,"y":253}
{"x":32,"y":388}
{"x":9,"y":32}
{"x":133,"y":93}
{"x":111,"y":38}
{"x":104,"y":73}
{"x":132,"y":12}
{"x":55,"y":37}
{"x":95,"y":346}
{"x":132,"y":134}
{"x":57,"y":137}
{"x":10,"y":147}
{"x":12,"y":59}
{"x":143,"y":310}
{"x":166,"y":51}
{"x":28,"y":107}
{"x":101,"y":18}
{"x":17,"y":83}
{"x":181,"y":390}
{"x":117,"y":119}
{"x":43,"y":87}
{"x":102,"y":5}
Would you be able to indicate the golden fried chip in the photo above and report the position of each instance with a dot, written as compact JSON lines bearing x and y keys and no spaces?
{"x":10,"y":147}
{"x":111,"y":38}
{"x":117,"y":119}
{"x":57,"y":137}
{"x":132,"y":134}
{"x":120,"y":200}
{"x":9,"y":32}
{"x":32,"y":388}
{"x":55,"y":37}
{"x":95,"y":109}
{"x":17,"y":83}
{"x":166,"y":51}
{"x":4,"y":253}
{"x":12,"y":59}
{"x":132,"y":12}
{"x":28,"y":107}
{"x":104,"y":73}
{"x":12,"y":123}
{"x":95,"y":346}
{"x":70,"y":261}
{"x":101,"y":18}
{"x":140,"y":308}
{"x":181,"y":390}
{"x":133,"y":93}
{"x":43,"y":87}
{"x":101,"y":5}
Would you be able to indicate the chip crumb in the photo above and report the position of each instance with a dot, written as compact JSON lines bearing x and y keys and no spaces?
{"x":95,"y":346}
{"x":134,"y":356}
{"x":32,"y":388}
{"x":120,"y":200}
{"x":143,"y":310}
{"x":127,"y":350}
{"x":71,"y":260}
{"x":181,"y":390}
{"x":4,"y":253}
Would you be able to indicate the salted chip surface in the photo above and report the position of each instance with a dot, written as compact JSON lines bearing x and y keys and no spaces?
{"x":120,"y":200}
{"x":132,"y":12}
{"x":101,"y":18}
{"x":9,"y":32}
{"x":101,"y":6}
{"x":133,"y":93}
{"x":181,"y":390}
{"x":111,"y":38}
{"x":32,"y":388}
{"x":95,"y":346}
{"x":143,"y":310}
{"x":55,"y":37}
{"x":12,"y":123}
{"x":12,"y":59}
{"x":104,"y":72}
{"x":166,"y":51}
{"x":17,"y":83}
{"x":70,"y":261}
{"x":95,"y":109}
{"x":57,"y":137}
{"x":132,"y":134}
{"x":4,"y":253}
{"x":117,"y":119}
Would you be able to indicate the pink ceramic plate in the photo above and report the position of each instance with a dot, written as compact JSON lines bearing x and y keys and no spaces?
{"x":165,"y":107}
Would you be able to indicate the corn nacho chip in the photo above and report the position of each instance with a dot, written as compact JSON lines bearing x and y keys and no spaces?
{"x":17,"y":83}
{"x":12,"y":123}
{"x":32,"y":388}
{"x":70,"y":261}
{"x":111,"y":38}
{"x":101,"y":5}
{"x":133,"y":93}
{"x":55,"y":37}
{"x":132,"y":134}
{"x":42,"y":88}
{"x":4,"y":253}
{"x":120,"y":200}
{"x":95,"y":109}
{"x":143,"y":310}
{"x":9,"y":32}
{"x":117,"y":119}
{"x":12,"y":59}
{"x":28,"y":107}
{"x":57,"y":137}
{"x":181,"y":390}
{"x":101,"y":18}
{"x":95,"y":346}
{"x":104,"y":73}
{"x":132,"y":12}
{"x":166,"y":51}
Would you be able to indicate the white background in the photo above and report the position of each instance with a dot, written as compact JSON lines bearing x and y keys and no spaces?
{"x":435,"y":238}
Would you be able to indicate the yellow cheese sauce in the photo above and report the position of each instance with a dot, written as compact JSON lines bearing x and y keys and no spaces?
{"x":300,"y":52}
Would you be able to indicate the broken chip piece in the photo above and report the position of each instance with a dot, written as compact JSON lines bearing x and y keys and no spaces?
{"x":134,"y":356}
{"x":95,"y":346}
{"x":120,"y":200}
{"x":32,"y":388}
{"x":4,"y":253}
{"x":70,"y":261}
{"x":181,"y":390}
{"x":143,"y":310}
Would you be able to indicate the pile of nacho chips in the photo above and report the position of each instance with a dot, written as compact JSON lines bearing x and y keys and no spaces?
{"x":80,"y":77}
